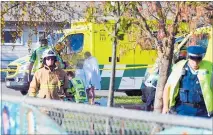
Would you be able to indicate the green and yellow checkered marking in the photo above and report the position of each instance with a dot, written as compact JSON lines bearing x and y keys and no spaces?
{"x":127,"y":76}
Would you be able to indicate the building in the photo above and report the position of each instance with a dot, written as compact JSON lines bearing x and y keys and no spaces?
{"x":14,"y":48}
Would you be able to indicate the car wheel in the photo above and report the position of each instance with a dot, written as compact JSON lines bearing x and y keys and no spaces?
{"x":23,"y":92}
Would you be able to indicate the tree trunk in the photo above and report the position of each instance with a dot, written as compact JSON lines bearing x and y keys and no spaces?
{"x":112,"y":79}
{"x":164,"y":68}
{"x":114,"y":57}
{"x":165,"y":56}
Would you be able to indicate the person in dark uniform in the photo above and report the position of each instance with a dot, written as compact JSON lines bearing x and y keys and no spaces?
{"x":188,"y":90}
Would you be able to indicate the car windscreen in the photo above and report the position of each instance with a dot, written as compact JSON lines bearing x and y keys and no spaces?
{"x":75,"y":42}
{"x":53,"y":38}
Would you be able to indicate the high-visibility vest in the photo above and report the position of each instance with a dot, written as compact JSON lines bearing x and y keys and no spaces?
{"x":204,"y":77}
{"x":39,"y":53}
{"x":78,"y":90}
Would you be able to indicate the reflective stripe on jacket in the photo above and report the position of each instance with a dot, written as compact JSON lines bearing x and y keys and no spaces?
{"x":48,"y":84}
{"x":204,"y":76}
{"x":79,"y":90}
{"x":43,"y":86}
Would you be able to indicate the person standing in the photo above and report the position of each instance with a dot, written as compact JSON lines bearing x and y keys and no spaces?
{"x":93,"y":78}
{"x":80,"y":73}
{"x":151,"y":79}
{"x":188,"y":90}
{"x":36,"y":57}
{"x":49,"y":81}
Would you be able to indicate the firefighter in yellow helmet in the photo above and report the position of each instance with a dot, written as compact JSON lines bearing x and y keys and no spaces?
{"x":49,"y":81}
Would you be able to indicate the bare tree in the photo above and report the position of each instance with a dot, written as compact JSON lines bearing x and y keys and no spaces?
{"x":35,"y":13}
{"x":157,"y":25}
{"x":116,"y":12}
{"x":170,"y":18}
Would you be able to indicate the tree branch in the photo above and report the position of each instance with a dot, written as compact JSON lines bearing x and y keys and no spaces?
{"x":175,"y":20}
{"x":145,"y":25}
{"x":151,"y":13}
{"x":169,"y":8}
{"x":16,"y":5}
{"x":162,"y":16}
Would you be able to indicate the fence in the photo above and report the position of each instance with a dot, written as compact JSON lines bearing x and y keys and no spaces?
{"x":75,"y":118}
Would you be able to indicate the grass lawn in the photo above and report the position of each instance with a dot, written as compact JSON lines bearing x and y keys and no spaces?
{"x":125,"y":99}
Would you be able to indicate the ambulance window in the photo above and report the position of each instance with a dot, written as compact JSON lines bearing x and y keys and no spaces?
{"x":75,"y":42}
{"x":53,"y":38}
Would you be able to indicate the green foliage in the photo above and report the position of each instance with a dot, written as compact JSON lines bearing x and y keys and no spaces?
{"x":183,"y":28}
{"x":108,"y":8}
{"x":128,"y":100}
{"x":125,"y":23}
{"x":125,"y":99}
{"x":195,"y":4}
{"x":90,"y":11}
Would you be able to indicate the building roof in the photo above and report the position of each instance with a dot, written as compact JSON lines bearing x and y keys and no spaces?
{"x":54,"y":12}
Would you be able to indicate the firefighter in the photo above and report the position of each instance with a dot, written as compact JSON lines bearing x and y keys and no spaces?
{"x":36,"y":58}
{"x":188,"y":90}
{"x":49,"y":81}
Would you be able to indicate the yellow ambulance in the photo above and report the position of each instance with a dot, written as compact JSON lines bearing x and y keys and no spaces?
{"x":83,"y":36}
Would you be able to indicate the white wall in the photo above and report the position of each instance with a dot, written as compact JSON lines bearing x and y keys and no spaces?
{"x":12,"y":52}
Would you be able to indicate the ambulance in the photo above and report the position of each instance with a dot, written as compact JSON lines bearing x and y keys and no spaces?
{"x":201,"y":36}
{"x":96,"y":38}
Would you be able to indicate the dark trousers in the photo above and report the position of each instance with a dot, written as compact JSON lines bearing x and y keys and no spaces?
{"x":182,"y":109}
{"x":148,"y":97}
{"x":91,"y":95}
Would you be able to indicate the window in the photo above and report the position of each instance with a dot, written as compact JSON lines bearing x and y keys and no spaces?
{"x":53,"y":38}
{"x":32,"y":36}
{"x":75,"y":42}
{"x":11,"y":37}
{"x":41,"y":35}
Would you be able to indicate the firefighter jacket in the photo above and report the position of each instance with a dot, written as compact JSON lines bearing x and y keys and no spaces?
{"x":48,"y":84}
